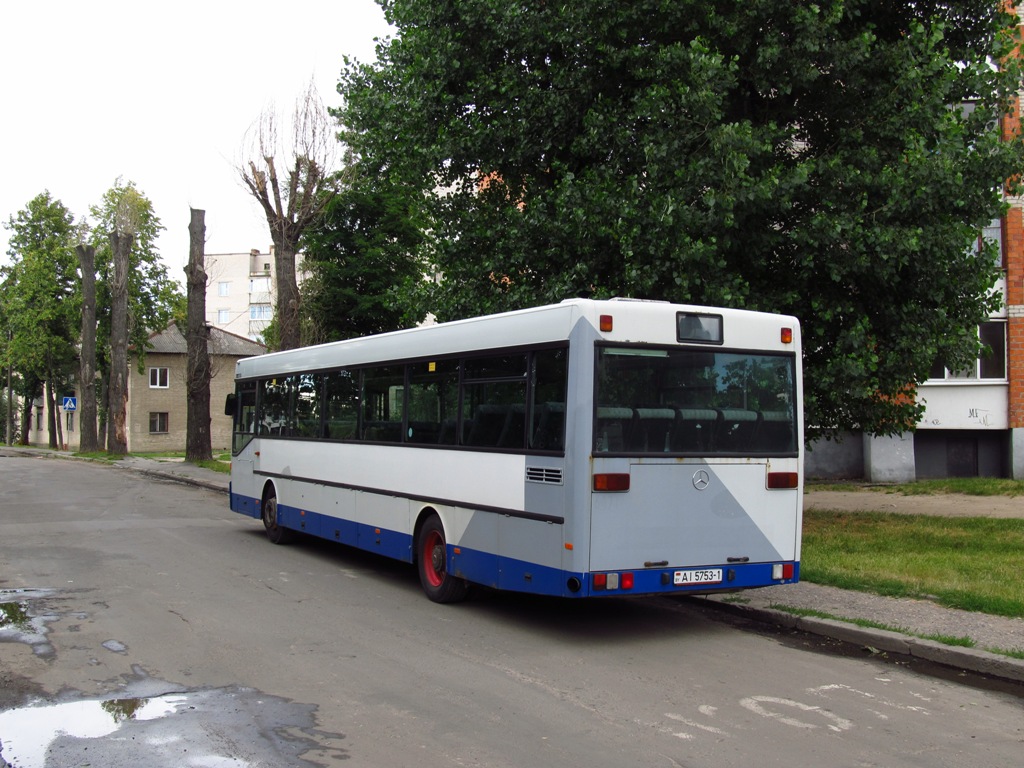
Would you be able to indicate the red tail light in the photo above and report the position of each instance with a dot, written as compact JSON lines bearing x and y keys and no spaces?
{"x":783,"y":480}
{"x":611,"y":481}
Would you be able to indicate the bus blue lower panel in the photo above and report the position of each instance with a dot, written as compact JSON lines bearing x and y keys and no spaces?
{"x":245,"y":505}
{"x":491,"y":570}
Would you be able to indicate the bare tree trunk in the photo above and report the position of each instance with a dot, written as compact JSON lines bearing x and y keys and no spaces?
{"x":56,"y":419}
{"x":197,"y":339}
{"x":104,"y":410}
{"x":88,"y":440}
{"x":51,"y":413}
{"x":121,"y":245}
{"x":10,"y":401}
{"x":26,"y":420}
{"x":287,"y":287}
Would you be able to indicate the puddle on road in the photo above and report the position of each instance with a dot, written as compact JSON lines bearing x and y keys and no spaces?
{"x":153,"y":722}
{"x":27,"y":734}
{"x":216,"y":728}
{"x":18,"y":624}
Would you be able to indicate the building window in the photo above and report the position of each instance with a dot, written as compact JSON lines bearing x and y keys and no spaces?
{"x":993,"y":234}
{"x":224,"y":288}
{"x":223,"y":316}
{"x":70,"y":421}
{"x":157,"y":423}
{"x":260,"y":312}
{"x":158,"y":378}
{"x":39,"y":418}
{"x":990,"y":365}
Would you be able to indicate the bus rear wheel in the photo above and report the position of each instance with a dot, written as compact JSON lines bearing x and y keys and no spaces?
{"x":276,"y":533}
{"x":432,"y":560}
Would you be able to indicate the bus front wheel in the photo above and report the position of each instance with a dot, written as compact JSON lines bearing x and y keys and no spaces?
{"x":276,"y":532}
{"x":432,"y":559}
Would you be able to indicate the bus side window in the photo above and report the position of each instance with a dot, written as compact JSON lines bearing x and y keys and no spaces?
{"x":383,"y":403}
{"x":341,"y":404}
{"x":273,"y":407}
{"x":433,"y":398}
{"x":550,"y":374}
{"x":549,"y":434}
{"x":494,"y":401}
{"x":306,"y":400}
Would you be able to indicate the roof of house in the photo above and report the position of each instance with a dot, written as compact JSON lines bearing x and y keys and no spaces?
{"x":171,"y":341}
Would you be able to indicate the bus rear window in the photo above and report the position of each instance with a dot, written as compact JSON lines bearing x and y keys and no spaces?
{"x":694,"y":402}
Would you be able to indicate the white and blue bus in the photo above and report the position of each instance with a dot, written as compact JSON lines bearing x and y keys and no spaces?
{"x":583,"y":449}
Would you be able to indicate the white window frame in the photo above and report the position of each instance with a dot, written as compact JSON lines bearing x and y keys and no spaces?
{"x":159,"y":378}
{"x":973,"y":375}
{"x":261,"y":312}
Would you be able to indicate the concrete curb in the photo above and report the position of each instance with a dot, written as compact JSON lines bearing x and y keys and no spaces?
{"x":183,"y":479}
{"x":957,"y":657}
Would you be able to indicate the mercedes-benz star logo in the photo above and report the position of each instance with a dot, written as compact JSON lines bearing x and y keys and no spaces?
{"x":701,"y":479}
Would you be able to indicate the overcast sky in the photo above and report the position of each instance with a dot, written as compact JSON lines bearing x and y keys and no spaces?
{"x":161,"y":94}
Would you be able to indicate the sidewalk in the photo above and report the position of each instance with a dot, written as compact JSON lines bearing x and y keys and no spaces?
{"x":914,"y":618}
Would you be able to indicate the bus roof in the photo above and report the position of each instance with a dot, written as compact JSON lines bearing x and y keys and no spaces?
{"x":637,"y":321}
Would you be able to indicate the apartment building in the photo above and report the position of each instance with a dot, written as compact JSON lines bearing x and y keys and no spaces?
{"x":240,"y":291}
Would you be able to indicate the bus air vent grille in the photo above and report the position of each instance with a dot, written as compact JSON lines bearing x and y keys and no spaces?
{"x":550,"y":475}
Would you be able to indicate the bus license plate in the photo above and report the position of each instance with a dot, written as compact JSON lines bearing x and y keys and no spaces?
{"x":702,"y":576}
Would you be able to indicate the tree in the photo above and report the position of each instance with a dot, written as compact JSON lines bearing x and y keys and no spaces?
{"x":197,"y":340}
{"x":121,"y":240}
{"x":88,"y":438}
{"x":357,"y":256}
{"x":152,"y":297}
{"x":290,"y":177}
{"x":812,"y":159}
{"x":41,"y":301}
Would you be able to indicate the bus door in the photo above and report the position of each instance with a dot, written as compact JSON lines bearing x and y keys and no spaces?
{"x":244,"y":445}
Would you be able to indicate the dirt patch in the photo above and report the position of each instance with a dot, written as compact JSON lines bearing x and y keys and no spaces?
{"x":946,"y":504}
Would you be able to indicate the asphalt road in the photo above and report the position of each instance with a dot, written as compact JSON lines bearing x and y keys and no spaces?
{"x":146,"y":624}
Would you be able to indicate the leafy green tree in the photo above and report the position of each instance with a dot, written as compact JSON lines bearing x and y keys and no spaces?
{"x":41,"y":299}
{"x":830,"y":160}
{"x":153,"y":297}
{"x":358,"y":253}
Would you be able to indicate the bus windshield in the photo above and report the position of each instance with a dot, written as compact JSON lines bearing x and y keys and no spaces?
{"x":694,"y":402}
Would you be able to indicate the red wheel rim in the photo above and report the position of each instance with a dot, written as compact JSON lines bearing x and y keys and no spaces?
{"x":433,"y":557}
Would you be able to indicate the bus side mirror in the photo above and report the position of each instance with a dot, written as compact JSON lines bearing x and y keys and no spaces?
{"x":229,"y":405}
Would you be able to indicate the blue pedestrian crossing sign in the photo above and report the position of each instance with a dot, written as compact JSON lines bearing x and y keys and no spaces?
{"x":70,"y":403}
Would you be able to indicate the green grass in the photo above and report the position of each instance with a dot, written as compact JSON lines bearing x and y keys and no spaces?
{"x":221,"y":461}
{"x":216,"y":465}
{"x":971,"y":563}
